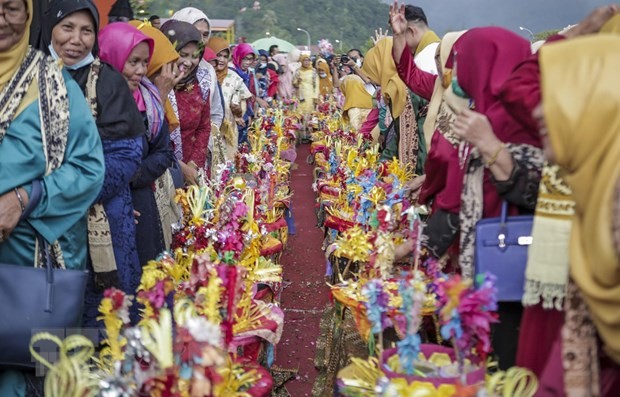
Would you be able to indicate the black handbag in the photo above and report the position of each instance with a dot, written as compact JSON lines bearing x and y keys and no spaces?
{"x":501,"y":249}
{"x":34,"y":300}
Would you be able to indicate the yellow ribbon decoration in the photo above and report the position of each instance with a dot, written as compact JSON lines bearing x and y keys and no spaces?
{"x":157,"y":338}
{"x":71,"y":375}
{"x":516,"y":382}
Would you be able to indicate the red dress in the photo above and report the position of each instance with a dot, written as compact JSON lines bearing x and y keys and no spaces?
{"x":195,"y":119}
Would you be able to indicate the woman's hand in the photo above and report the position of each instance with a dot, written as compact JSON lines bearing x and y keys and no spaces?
{"x":240,"y":121}
{"x":476,"y":129}
{"x":168,"y":77}
{"x":236,"y":110}
{"x":414,"y":186}
{"x":10,"y":211}
{"x":397,"y":18}
{"x":593,"y":22}
{"x":379,"y":34}
{"x":190,"y":173}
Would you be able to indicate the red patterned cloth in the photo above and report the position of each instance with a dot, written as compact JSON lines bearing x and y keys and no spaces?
{"x":195,"y":118}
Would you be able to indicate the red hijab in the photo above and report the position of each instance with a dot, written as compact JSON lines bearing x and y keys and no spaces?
{"x":485,"y":58}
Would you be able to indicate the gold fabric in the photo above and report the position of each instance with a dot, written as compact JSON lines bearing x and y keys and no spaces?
{"x":11,"y":60}
{"x":612,"y":26}
{"x":428,"y":38}
{"x":547,"y":262}
{"x":584,"y":130}
{"x":379,"y":66}
{"x":355,"y":94}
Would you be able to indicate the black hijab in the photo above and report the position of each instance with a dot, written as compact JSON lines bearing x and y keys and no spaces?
{"x":118,"y":116}
{"x":59,"y":10}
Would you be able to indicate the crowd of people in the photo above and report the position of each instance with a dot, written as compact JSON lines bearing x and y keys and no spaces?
{"x":100,"y":126}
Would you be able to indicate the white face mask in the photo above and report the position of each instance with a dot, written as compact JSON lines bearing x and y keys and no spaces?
{"x":322,"y":75}
{"x":358,"y":62}
{"x":263,"y":65}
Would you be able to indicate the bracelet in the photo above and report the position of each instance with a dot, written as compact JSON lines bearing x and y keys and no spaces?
{"x":21,"y":199}
{"x":495,"y":156}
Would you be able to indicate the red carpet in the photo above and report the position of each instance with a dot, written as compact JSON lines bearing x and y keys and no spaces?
{"x":304,"y":299}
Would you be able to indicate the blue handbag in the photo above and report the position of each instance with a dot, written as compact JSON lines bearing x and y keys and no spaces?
{"x":501,"y":249}
{"x":36,"y":300}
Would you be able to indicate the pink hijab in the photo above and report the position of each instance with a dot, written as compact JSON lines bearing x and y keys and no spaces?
{"x":240,"y":52}
{"x":285,"y":85}
{"x":116,"y":42}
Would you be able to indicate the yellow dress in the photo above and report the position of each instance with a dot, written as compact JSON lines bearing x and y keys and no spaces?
{"x":307,"y":90}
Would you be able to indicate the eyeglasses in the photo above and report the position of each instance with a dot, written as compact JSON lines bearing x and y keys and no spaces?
{"x":13,"y":13}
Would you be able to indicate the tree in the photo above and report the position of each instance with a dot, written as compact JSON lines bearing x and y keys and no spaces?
{"x":351,"y":21}
{"x":544,"y":35}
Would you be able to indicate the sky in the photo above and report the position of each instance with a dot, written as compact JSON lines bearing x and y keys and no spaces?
{"x":535,"y":15}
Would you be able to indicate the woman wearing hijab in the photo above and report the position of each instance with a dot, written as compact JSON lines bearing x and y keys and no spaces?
{"x":164,"y":73}
{"x":71,"y":30}
{"x":592,"y":168}
{"x":547,"y":274}
{"x":501,"y":160}
{"x":206,"y":72}
{"x":267,"y":77}
{"x":402,"y":140}
{"x":326,"y":83}
{"x":306,"y":81}
{"x":357,"y":101}
{"x":189,"y":99}
{"x":242,"y":58}
{"x":129,"y":51}
{"x":285,"y":85}
{"x":235,"y":93}
{"x":440,"y":186}
{"x":39,"y":158}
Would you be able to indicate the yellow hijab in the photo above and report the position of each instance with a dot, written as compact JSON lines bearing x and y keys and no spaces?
{"x":612,"y":26}
{"x":379,"y":66}
{"x":163,"y":53}
{"x":428,"y":38}
{"x":301,"y":62}
{"x":326,"y":85}
{"x":11,"y":60}
{"x":584,"y":129}
{"x":355,"y":94}
{"x":445,"y":47}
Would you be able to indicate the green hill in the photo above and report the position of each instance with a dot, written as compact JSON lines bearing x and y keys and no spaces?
{"x":350,"y":21}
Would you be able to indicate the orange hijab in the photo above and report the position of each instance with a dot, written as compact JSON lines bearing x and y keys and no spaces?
{"x":326,"y":85}
{"x":163,"y":53}
{"x":218,"y":44}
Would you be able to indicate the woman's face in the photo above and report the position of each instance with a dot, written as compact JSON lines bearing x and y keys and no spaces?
{"x":247,"y":61}
{"x":136,"y":65}
{"x":307,"y":62}
{"x":189,"y":58}
{"x":12,"y":23}
{"x":221,"y":62}
{"x":203,"y":27}
{"x":73,"y":38}
{"x":539,"y":116}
